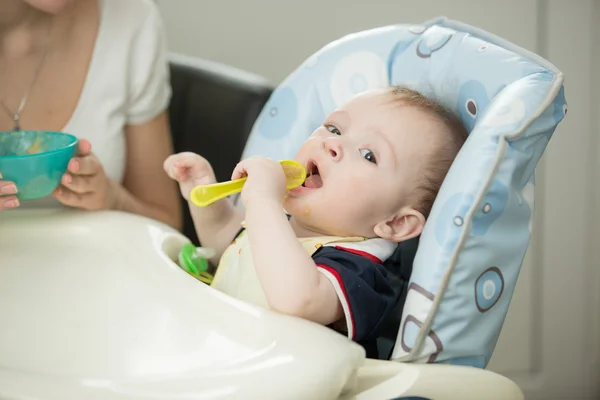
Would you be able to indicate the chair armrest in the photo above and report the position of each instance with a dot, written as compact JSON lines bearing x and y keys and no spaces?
{"x":379,"y":380}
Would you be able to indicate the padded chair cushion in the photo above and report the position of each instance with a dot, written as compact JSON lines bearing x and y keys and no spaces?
{"x":474,"y":242}
{"x":212,"y":111}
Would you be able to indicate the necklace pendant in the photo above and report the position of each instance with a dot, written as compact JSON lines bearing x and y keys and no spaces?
{"x":17,"y":126}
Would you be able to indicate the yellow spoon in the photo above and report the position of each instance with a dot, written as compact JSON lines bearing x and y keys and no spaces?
{"x":205,"y":195}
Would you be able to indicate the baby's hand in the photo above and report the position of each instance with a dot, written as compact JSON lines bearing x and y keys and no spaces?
{"x":266,"y":179}
{"x":190,"y":170}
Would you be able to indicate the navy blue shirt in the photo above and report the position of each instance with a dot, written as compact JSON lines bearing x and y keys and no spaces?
{"x":364,"y":289}
{"x":363,"y":286}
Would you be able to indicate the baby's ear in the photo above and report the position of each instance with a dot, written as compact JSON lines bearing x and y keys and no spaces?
{"x":404,"y":225}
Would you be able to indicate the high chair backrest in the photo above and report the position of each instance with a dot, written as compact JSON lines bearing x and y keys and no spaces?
{"x":474,"y":242}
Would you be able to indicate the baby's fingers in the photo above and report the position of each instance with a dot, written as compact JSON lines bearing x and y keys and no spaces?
{"x":174,"y":172}
{"x":178,"y":172}
{"x":178,"y":166}
{"x":239,"y":171}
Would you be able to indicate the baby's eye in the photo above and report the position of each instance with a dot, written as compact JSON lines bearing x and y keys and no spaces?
{"x":368,"y":155}
{"x":333,"y":129}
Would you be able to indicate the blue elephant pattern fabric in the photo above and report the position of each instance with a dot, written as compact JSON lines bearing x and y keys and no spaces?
{"x":475,"y":239}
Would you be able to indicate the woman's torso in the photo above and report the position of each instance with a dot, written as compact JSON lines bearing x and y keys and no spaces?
{"x":86,"y":84}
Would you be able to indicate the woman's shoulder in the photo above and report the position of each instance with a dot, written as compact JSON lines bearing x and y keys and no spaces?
{"x":131,"y":30}
{"x":129,"y":67}
{"x":130,"y":16}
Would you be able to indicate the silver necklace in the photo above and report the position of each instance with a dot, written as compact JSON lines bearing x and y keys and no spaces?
{"x":16,"y":115}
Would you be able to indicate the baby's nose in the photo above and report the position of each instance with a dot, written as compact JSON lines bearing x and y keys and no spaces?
{"x":333,"y":147}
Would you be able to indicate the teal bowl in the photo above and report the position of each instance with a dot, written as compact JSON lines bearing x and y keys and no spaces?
{"x":35,"y":160}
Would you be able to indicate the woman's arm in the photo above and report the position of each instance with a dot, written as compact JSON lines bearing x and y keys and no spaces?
{"x":146,"y":189}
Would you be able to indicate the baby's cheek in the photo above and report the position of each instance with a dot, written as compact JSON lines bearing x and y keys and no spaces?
{"x":356,"y":182}
{"x":382,"y":197}
{"x":360,"y":192}
{"x":310,"y":146}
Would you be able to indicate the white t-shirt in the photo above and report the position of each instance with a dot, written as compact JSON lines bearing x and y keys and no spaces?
{"x":127,"y":82}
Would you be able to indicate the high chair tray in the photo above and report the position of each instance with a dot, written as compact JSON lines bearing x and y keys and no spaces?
{"x":94,"y":307}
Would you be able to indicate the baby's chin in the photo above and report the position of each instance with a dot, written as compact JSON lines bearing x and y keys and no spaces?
{"x":297,"y":208}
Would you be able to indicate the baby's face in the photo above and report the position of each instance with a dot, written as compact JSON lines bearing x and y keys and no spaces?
{"x":362,"y":164}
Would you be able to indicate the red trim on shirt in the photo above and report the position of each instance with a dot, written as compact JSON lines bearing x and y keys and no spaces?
{"x":341,"y":283}
{"x":361,"y":253}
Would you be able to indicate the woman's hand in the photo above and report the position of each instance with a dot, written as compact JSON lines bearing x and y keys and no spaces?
{"x":7,"y":189}
{"x":85,"y":184}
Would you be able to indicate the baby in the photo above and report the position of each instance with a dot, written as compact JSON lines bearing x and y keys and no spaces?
{"x":374,"y":169}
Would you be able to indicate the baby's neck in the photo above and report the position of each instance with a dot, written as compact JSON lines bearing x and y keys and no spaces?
{"x":305,"y":231}
{"x":302,"y":231}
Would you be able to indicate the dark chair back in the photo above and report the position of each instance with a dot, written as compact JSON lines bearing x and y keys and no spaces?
{"x":212,"y":111}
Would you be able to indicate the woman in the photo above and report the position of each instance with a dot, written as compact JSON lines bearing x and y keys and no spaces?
{"x":96,"y":69}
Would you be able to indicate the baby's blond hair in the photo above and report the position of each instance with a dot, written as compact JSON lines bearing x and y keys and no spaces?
{"x":444,"y":152}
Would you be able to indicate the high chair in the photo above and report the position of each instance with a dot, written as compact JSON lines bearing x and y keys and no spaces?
{"x":94,"y":306}
{"x":473,"y":245}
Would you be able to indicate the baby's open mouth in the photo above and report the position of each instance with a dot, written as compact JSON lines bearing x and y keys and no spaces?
{"x":313,"y":179}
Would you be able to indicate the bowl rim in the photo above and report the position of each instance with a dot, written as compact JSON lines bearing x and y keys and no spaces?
{"x":45,"y":153}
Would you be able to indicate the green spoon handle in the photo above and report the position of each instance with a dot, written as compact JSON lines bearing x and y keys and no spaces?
{"x":203,"y":196}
